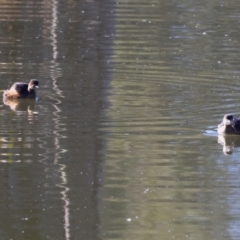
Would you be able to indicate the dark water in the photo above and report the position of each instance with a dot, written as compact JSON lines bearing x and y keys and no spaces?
{"x":122,"y":141}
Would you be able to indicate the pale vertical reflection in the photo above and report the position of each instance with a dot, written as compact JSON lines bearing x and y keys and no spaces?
{"x":55,"y":73}
{"x":53,"y":28}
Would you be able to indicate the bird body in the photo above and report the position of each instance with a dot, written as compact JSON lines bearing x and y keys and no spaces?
{"x":229,"y":125}
{"x":22,"y":90}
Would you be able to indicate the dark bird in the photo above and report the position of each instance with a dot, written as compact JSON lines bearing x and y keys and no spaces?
{"x":229,"y":125}
{"x":22,"y":90}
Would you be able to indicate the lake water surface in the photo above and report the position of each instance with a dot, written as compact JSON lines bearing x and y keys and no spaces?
{"x":122,"y":141}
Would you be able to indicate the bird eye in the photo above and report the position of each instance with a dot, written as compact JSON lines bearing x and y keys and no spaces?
{"x":230,"y":117}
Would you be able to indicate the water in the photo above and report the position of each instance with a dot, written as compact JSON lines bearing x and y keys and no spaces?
{"x":122,"y":141}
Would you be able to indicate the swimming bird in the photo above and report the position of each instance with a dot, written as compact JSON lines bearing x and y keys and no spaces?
{"x":229,"y":125}
{"x":22,"y":90}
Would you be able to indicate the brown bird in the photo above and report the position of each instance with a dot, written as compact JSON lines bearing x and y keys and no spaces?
{"x":22,"y":90}
{"x":229,"y":125}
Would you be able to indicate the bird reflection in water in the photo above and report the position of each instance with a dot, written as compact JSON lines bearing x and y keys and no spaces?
{"x":21,"y":105}
{"x":229,"y":142}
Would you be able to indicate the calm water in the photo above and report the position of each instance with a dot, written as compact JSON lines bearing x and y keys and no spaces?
{"x":122,"y":141}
